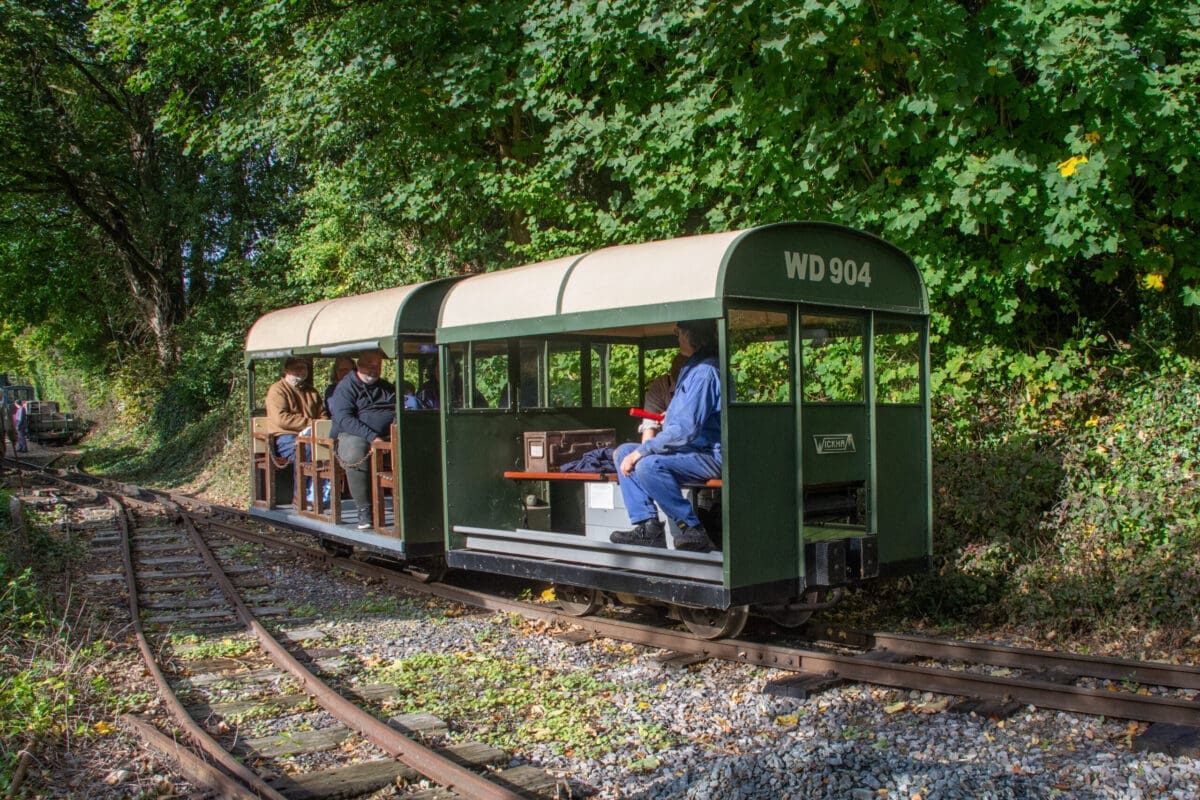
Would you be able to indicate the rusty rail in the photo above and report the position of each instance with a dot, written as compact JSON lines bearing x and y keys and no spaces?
{"x":424,"y":760}
{"x":251,"y":784}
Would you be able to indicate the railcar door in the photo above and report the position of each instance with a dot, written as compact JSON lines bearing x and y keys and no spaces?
{"x":836,"y":446}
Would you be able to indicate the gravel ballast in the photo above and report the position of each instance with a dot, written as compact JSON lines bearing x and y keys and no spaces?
{"x":729,"y":739}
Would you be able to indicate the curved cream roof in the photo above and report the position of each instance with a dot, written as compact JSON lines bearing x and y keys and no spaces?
{"x":615,"y":277}
{"x":363,"y":318}
{"x":667,"y":272}
{"x":517,"y":293}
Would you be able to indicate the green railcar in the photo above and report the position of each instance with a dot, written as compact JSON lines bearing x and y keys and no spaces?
{"x":823,"y":348}
{"x":822,"y":340}
{"x":407,"y":480}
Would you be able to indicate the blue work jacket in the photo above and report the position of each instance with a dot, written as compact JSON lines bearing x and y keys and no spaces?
{"x":693,"y":420}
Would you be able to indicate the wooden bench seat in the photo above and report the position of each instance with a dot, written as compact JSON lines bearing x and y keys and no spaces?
{"x":606,"y":477}
{"x":266,"y":464}
{"x":316,"y":460}
{"x":383,"y":480}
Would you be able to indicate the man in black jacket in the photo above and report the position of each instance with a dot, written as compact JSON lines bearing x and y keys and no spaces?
{"x":363,"y":408}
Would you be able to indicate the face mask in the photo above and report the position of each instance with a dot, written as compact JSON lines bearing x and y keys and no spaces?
{"x":295,"y":380}
{"x":368,"y":379}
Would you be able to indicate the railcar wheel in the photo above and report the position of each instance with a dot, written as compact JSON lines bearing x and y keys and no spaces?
{"x":788,"y":617}
{"x":578,"y":601}
{"x":427,"y":570}
{"x":794,"y":614}
{"x":715,"y":623}
{"x":337,"y":549}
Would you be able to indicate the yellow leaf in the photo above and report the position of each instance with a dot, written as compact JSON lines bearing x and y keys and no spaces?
{"x":895,"y":708}
{"x":103,"y":728}
{"x":787,"y":719}
{"x":933,"y":707}
{"x":1153,"y":281}
{"x":1092,"y":422}
{"x":548,"y":595}
{"x":1067,"y":168}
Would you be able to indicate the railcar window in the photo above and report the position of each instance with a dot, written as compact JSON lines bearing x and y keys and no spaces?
{"x":760,"y":360}
{"x":531,"y":373}
{"x":832,"y":358}
{"x":897,"y":362}
{"x":419,"y":371}
{"x":622,"y":375}
{"x":490,"y":371}
{"x":599,"y":376}
{"x":566,"y":375}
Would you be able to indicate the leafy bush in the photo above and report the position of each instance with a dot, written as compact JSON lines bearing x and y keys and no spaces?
{"x":1065,"y":491}
{"x":49,"y":683}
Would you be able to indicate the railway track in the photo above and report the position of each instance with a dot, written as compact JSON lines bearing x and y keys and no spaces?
{"x":184,"y":598}
{"x":992,"y":679}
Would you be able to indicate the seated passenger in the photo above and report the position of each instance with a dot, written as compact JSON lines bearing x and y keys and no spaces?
{"x":291,"y":402}
{"x":363,"y":408}
{"x":411,"y":403}
{"x":427,"y":395}
{"x":658,"y":397}
{"x":687,"y":449}
{"x":342,"y":366}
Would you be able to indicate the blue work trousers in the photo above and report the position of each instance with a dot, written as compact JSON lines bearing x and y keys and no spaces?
{"x":285,"y":446}
{"x":659,"y":479}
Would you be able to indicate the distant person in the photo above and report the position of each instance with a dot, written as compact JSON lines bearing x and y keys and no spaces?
{"x":363,"y":408}
{"x":429,"y":395}
{"x":342,"y":366}
{"x":20,"y":420}
{"x":292,"y":403}
{"x":687,"y":449}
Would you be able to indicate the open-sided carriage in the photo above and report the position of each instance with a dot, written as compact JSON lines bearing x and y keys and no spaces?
{"x":823,"y":350}
{"x":406,"y":473}
{"x":823,"y":345}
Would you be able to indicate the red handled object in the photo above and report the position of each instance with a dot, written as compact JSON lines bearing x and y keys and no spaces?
{"x":644,"y":414}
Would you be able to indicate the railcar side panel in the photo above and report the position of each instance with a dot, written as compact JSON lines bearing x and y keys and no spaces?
{"x":420,"y":505}
{"x":900,"y":490}
{"x":761,"y":519}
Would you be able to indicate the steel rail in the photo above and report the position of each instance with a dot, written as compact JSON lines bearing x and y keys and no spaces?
{"x":191,"y":766}
{"x":1178,"y":676}
{"x":424,"y":760}
{"x":252,"y":785}
{"x":866,"y":668}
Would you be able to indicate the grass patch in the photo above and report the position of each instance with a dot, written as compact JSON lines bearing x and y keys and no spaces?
{"x":53,"y":687}
{"x":224,"y":648}
{"x":511,"y":702}
{"x":375,"y":604}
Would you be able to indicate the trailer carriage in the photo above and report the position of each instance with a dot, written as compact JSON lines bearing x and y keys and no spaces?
{"x":406,"y":474}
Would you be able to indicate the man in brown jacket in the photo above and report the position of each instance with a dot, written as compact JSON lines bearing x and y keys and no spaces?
{"x":291,"y":403}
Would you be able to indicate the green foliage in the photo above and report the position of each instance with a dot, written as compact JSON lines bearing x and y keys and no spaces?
{"x":1064,"y":493}
{"x":50,"y":680}
{"x":450,"y":137}
{"x":213,"y":648}
{"x":1127,"y":520}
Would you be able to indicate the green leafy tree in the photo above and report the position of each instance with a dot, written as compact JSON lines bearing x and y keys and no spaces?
{"x":132,"y":231}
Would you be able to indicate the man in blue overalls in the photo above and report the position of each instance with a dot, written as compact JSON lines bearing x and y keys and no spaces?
{"x":686,"y":450}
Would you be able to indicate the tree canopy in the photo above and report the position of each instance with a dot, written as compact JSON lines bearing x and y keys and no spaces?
{"x":1033,"y":158}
